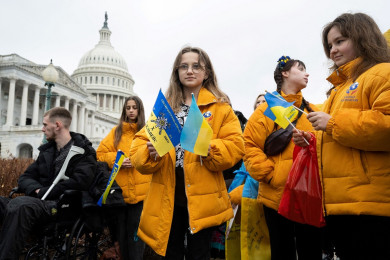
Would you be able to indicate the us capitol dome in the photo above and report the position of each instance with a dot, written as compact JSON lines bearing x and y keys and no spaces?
{"x":103,"y":73}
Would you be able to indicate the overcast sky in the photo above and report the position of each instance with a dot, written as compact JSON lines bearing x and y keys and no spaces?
{"x":243,"y":38}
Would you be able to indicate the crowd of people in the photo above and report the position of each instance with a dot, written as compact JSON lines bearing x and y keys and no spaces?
{"x":176,"y":201}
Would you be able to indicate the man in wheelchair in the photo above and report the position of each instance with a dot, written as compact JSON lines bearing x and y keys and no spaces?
{"x":66,"y":162}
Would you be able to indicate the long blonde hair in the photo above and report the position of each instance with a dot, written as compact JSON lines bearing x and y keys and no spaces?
{"x":174,"y":93}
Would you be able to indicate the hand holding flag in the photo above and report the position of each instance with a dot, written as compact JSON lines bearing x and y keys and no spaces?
{"x":197,"y":133}
{"x":120,"y":156}
{"x":163,"y":129}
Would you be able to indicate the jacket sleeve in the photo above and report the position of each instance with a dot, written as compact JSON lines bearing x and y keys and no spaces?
{"x":28,"y":182}
{"x":106,"y":151}
{"x":81,"y":175}
{"x":367,"y":130}
{"x":228,"y":147}
{"x":257,"y":163}
{"x":139,"y":155}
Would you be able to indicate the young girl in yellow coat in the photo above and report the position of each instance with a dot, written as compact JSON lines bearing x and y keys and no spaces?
{"x":353,"y":138}
{"x":188,"y":193}
{"x":134,"y":185}
{"x":288,"y":239}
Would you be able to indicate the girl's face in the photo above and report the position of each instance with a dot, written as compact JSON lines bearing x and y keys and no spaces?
{"x":260,"y":100}
{"x":341,"y":48}
{"x":297,"y":75}
{"x":191,"y":72}
{"x":132,"y":111}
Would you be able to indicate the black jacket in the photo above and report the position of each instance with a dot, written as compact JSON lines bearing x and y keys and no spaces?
{"x":40,"y":175}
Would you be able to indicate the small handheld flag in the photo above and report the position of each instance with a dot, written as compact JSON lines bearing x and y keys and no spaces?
{"x":163,"y":129}
{"x":279,"y":110}
{"x":197,"y":133}
{"x":120,"y":156}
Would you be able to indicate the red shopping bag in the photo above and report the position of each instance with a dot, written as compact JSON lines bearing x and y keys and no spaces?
{"x":302,"y":197}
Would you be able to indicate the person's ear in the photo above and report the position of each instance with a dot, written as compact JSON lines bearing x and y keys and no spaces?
{"x":58,"y":124}
{"x":285,"y":74}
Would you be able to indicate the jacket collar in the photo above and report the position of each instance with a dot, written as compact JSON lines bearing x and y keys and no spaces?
{"x":205,"y":97}
{"x":297,"y":98}
{"x":129,"y":126}
{"x":343,"y":73}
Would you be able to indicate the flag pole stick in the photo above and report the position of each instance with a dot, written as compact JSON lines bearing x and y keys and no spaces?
{"x":286,"y":101}
{"x":296,"y":129}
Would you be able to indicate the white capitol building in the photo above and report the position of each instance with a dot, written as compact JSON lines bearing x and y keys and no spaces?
{"x":94,"y":94}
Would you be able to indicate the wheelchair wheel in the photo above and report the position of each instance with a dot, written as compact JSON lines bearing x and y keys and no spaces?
{"x":83,"y":243}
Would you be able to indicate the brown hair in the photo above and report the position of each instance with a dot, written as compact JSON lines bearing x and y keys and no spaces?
{"x":367,"y":39}
{"x":59,"y":113}
{"x":124,"y":118}
{"x":174,"y":93}
{"x":278,"y":77}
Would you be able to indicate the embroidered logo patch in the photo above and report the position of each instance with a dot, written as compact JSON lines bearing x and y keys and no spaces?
{"x":207,"y":115}
{"x":350,"y":97}
{"x":352,"y":89}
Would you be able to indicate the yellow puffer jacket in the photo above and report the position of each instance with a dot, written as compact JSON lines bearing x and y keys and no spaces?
{"x":134,"y":185}
{"x":271,"y":172}
{"x":208,"y":202}
{"x":354,"y":153}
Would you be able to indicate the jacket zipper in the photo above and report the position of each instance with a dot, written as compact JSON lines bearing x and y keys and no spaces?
{"x":185,"y":188}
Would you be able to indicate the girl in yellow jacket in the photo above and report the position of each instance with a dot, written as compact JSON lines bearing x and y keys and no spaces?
{"x":287,"y":238}
{"x":188,"y":194}
{"x":134,"y":185}
{"x":353,"y":141}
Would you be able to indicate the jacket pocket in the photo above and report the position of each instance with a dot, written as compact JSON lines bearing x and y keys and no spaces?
{"x":360,"y":165}
{"x":154,"y":199}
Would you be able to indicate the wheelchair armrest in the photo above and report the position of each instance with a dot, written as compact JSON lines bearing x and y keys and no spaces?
{"x":13,"y":191}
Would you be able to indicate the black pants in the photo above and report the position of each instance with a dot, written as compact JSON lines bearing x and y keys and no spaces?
{"x":360,"y":237}
{"x":198,"y":244}
{"x":131,"y":246}
{"x":289,"y":239}
{"x":21,"y":215}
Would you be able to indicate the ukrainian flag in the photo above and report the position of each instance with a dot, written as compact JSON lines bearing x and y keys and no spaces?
{"x":279,"y":110}
{"x":163,"y":129}
{"x":197,"y":133}
{"x":120,"y":156}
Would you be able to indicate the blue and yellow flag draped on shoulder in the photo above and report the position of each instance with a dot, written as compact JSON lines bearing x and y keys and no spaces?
{"x":197,"y":133}
{"x":279,"y":110}
{"x":163,"y":129}
{"x":120,"y":156}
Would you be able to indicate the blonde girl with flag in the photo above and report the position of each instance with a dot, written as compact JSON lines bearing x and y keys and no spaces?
{"x":134,"y":185}
{"x":353,"y":136}
{"x":188,"y":196}
{"x":287,"y":238}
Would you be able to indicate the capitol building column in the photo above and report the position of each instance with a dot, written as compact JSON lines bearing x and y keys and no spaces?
{"x":11,"y":103}
{"x":85,"y":132}
{"x":73,"y":126}
{"x":111,"y":103}
{"x":58,"y":101}
{"x":104,"y":102}
{"x":66,"y":105}
{"x":80,"y":125}
{"x":23,"y":110}
{"x":118,"y":106}
{"x":36,"y":106}
{"x":92,"y":134}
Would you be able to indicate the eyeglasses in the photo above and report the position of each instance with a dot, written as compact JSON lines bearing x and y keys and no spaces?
{"x":196,"y":68}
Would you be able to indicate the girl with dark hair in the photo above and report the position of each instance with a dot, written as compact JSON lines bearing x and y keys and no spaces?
{"x":353,"y":138}
{"x":134,"y":185}
{"x":288,"y":239}
{"x":188,"y":196}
